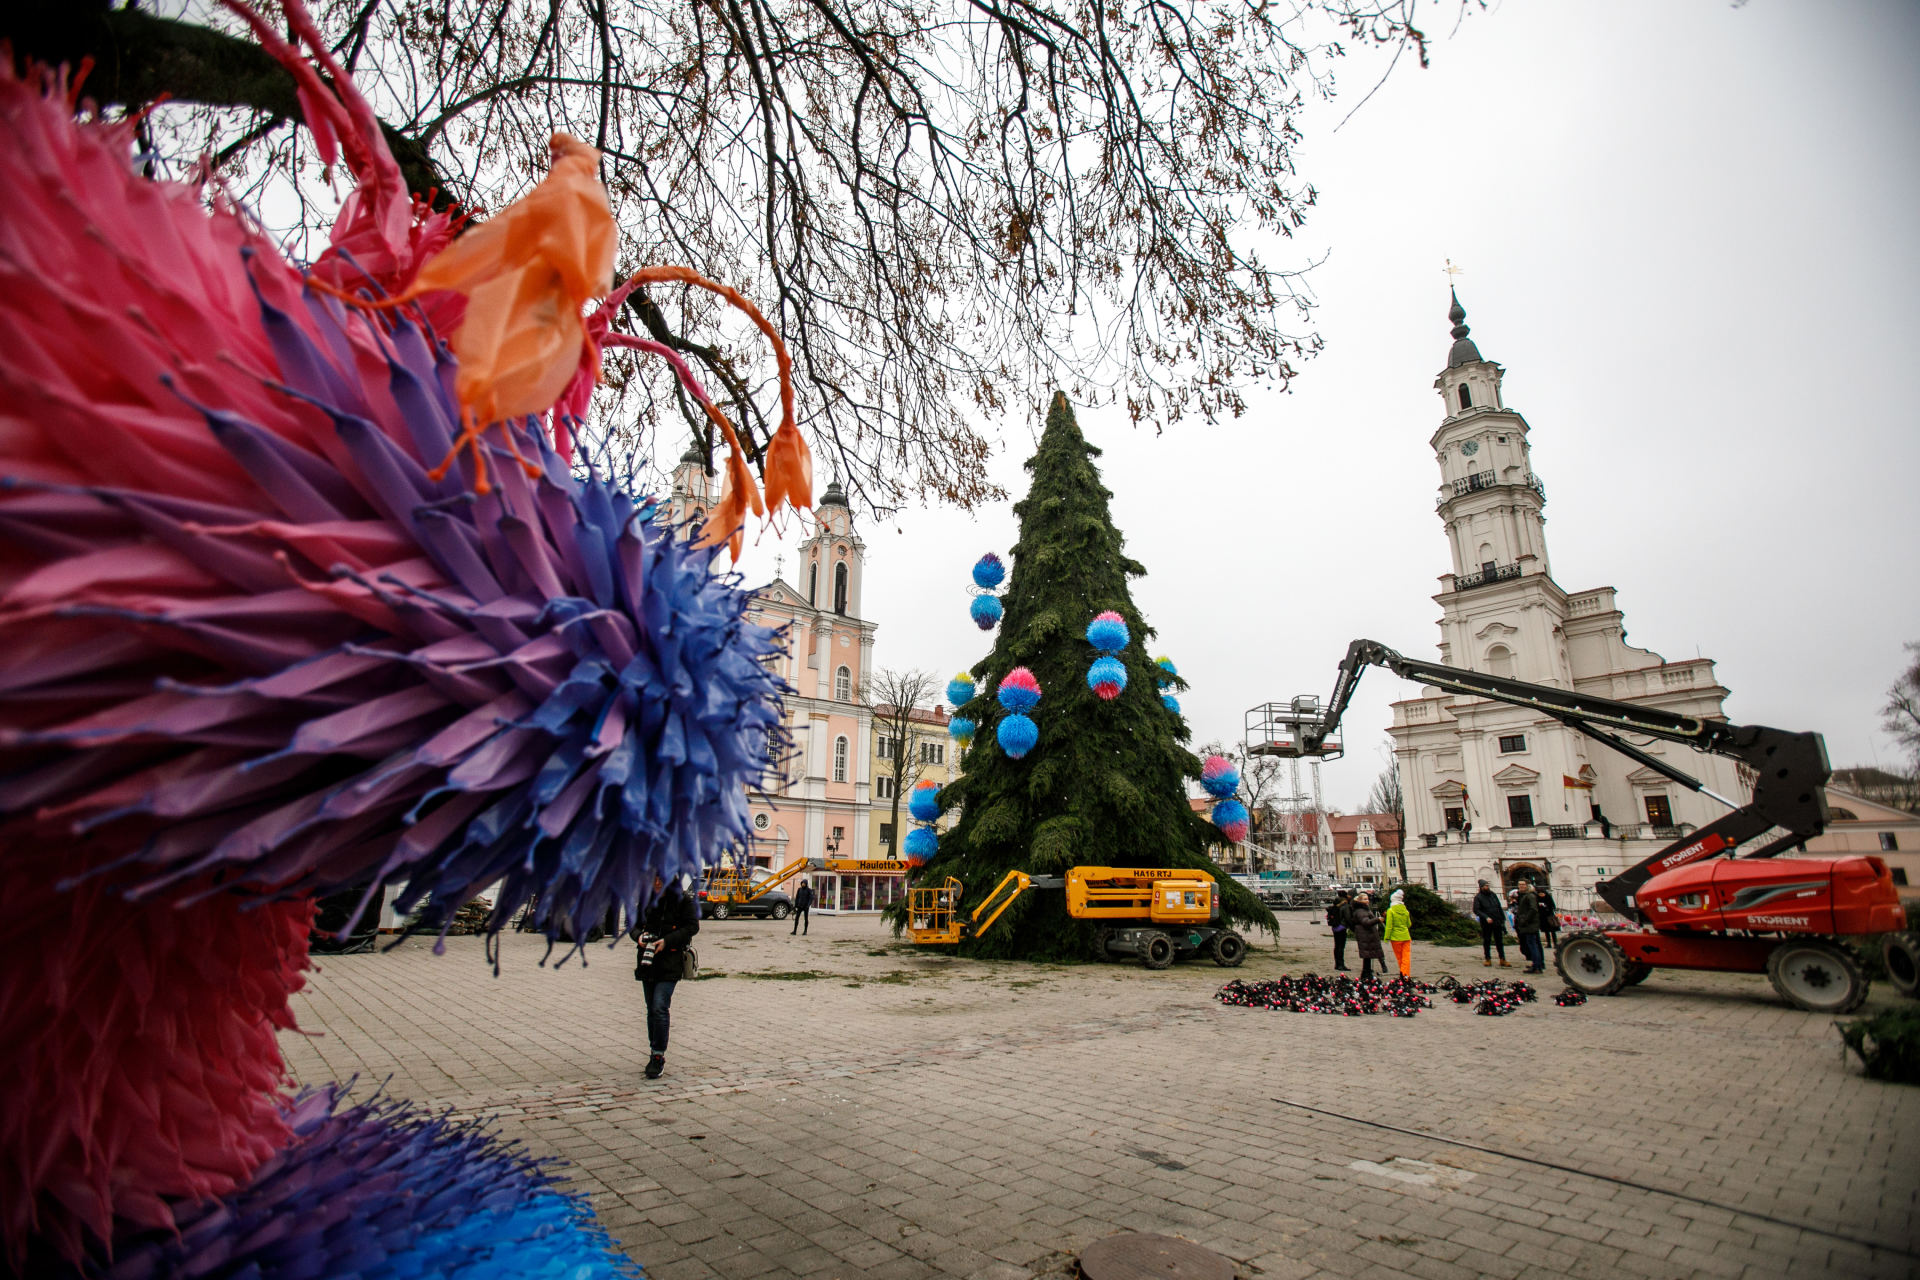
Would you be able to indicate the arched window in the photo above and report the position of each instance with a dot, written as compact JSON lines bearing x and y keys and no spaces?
{"x":839,"y":759}
{"x":840,"y":587}
{"x":813,"y":583}
{"x":843,"y":685}
{"x":1500,"y":661}
{"x":1466,"y":397}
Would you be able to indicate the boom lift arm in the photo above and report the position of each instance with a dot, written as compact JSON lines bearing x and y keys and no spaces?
{"x":1790,"y":769}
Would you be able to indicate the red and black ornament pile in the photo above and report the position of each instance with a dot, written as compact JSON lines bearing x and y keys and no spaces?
{"x":1569,"y":998}
{"x":1336,"y":994}
{"x":1492,"y":998}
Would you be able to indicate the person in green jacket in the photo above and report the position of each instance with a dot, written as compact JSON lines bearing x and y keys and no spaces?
{"x":1399,"y":932}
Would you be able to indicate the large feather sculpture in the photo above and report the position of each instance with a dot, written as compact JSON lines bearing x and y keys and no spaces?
{"x":252,"y":650}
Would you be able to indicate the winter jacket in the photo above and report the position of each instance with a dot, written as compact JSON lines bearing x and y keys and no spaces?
{"x":1399,"y":923}
{"x":1339,"y":915}
{"x":1487,"y":907}
{"x":1549,"y":911}
{"x":1526,"y":913}
{"x":1366,"y":931}
{"x":804,"y":898}
{"x":673,"y":917}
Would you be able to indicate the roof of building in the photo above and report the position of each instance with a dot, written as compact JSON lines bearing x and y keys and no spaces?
{"x":919,"y":715}
{"x":835,"y":496}
{"x":1464,"y":352}
{"x":1346,"y":830}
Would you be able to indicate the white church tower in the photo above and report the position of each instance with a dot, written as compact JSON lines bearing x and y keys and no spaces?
{"x":1494,"y":791}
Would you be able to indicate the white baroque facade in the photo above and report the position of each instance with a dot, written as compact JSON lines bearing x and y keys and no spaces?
{"x":1498,"y":792}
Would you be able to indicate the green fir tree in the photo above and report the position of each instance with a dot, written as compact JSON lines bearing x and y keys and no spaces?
{"x":1106,"y":785}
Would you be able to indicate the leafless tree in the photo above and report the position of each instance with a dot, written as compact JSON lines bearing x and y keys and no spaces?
{"x":1388,"y":797}
{"x":1900,"y":715}
{"x":896,"y":696}
{"x":947,"y":206}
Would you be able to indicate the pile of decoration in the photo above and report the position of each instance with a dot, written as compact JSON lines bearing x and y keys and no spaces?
{"x":1493,"y":998}
{"x":302,"y":596}
{"x":1570,"y":998}
{"x":1335,"y":994}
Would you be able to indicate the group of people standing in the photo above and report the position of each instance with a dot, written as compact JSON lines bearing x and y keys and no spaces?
{"x":1370,"y":928}
{"x":1531,"y":913}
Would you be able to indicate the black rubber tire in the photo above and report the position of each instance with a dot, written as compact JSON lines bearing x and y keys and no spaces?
{"x":1229,"y":949}
{"x":780,"y":911}
{"x":1818,"y":975}
{"x":1158,"y":952}
{"x":1591,"y":963}
{"x":1900,"y":952}
{"x":721,"y":910}
{"x":1100,"y":941}
{"x":1638,"y":972}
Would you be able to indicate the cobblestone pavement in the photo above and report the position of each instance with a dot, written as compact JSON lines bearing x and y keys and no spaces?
{"x":841,"y":1105}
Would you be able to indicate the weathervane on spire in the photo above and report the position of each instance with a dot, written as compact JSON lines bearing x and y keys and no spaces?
{"x":1451,"y":271}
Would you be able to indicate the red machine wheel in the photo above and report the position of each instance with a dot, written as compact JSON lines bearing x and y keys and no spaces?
{"x":1901,"y":954}
{"x":1818,"y":975}
{"x":1592,"y":963}
{"x":1637,"y":972}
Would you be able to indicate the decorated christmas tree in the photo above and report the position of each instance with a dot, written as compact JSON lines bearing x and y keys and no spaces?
{"x":1104,"y":781}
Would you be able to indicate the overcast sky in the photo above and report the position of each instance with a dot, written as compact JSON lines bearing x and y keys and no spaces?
{"x":1689,"y":234}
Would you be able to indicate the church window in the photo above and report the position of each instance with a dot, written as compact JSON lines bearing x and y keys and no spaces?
{"x":1500,"y":663}
{"x":839,"y":759}
{"x":1511,"y":742}
{"x":840,"y":587}
{"x":1520,"y":811}
{"x":813,"y":583}
{"x":843,"y":685}
{"x":1500,"y":439}
{"x":1466,"y":397}
{"x":1455,"y":819}
{"x":1659,"y":811}
{"x":1889,"y":842}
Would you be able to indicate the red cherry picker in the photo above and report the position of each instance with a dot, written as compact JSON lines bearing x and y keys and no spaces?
{"x":1719,"y":897}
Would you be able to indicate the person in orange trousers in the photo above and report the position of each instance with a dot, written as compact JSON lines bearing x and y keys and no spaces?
{"x":1399,"y":932}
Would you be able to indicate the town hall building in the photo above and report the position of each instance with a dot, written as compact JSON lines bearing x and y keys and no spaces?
{"x":1498,"y":792}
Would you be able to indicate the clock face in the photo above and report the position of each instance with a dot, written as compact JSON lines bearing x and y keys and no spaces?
{"x":1470,"y":448}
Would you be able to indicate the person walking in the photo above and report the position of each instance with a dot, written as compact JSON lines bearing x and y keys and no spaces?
{"x":1549,"y":920}
{"x":1493,"y":925}
{"x":666,"y":928}
{"x":1366,"y":928}
{"x":802,"y":903}
{"x":1339,"y":914}
{"x":1399,"y":932}
{"x":1526,"y":927}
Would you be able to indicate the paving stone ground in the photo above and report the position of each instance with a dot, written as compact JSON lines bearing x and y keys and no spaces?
{"x":842,"y":1105}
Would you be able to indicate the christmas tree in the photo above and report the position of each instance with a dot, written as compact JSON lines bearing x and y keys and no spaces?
{"x":1106,"y":782}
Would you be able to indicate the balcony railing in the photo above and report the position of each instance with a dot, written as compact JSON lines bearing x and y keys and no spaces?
{"x":1499,"y":573}
{"x":1475,"y":481}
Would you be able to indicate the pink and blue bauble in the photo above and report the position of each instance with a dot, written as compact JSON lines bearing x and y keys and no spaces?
{"x":960,"y":690}
{"x":1019,"y":690}
{"x":1219,"y":776}
{"x":1107,"y":677}
{"x":1167,"y":671}
{"x":1017,"y":734}
{"x":985,"y":611}
{"x":1170,"y":702}
{"x":925,"y":802}
{"x":989,"y":572}
{"x":1108,"y":632}
{"x":960,"y":729}
{"x":922,"y":843}
{"x":1231,"y":817}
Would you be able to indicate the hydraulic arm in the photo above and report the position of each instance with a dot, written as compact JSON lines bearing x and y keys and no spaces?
{"x":1790,"y":769}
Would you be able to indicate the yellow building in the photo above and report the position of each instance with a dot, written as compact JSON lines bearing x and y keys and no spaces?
{"x":931,"y":756}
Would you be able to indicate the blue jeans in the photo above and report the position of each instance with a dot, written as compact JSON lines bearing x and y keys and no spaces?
{"x":659,"y":1005}
{"x":1530,"y":948}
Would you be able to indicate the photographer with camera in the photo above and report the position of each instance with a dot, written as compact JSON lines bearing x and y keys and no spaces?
{"x":666,"y":929}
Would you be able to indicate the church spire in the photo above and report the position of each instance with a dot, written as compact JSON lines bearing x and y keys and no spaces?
{"x":1464,"y":352}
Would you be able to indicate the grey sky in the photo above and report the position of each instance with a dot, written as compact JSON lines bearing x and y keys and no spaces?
{"x":1688,"y":234}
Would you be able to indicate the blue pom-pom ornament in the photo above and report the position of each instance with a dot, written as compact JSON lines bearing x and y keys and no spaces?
{"x":1170,"y":702}
{"x":1108,"y":632}
{"x":960,"y":729}
{"x":925,"y":804}
{"x":1019,"y":690}
{"x":989,"y":571}
{"x":1219,"y":776}
{"x":960,"y":690}
{"x":922,"y":843}
{"x":1107,"y":677}
{"x":1017,"y":734}
{"x":985,"y":611}
{"x":1231,"y":817}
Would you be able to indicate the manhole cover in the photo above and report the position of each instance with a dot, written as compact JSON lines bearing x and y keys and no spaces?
{"x":1143,"y":1256}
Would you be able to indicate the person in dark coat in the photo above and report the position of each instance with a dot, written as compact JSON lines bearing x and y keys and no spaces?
{"x":1367,"y":932}
{"x":1526,"y":927}
{"x":1549,"y":920}
{"x":1338,"y":913}
{"x":1493,"y":924}
{"x":802,"y":903}
{"x":667,"y":926}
